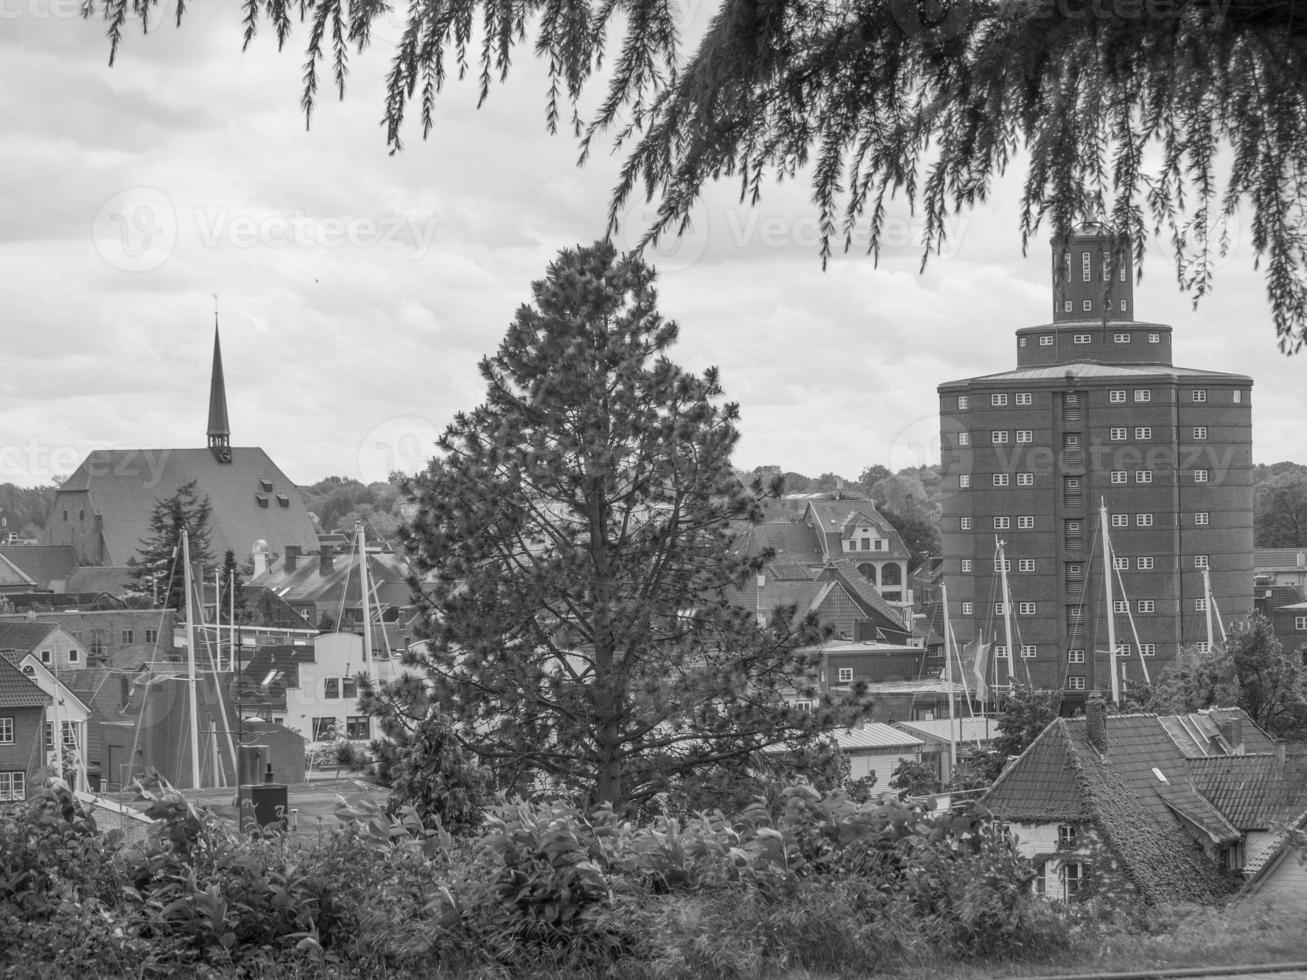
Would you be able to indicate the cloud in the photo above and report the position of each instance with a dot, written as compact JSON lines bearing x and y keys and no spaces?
{"x":359,"y":289}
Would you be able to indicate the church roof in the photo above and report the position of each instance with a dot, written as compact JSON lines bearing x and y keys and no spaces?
{"x":252,"y":498}
{"x":219,"y":428}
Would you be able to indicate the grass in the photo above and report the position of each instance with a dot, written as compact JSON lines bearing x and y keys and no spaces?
{"x":1245,"y":933}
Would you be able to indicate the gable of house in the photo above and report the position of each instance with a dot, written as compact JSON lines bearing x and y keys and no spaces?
{"x":46,"y":565}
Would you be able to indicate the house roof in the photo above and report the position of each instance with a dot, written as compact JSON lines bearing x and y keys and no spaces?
{"x":832,"y":517}
{"x":1134,"y":793}
{"x":16,"y":658}
{"x":1092,"y":369}
{"x":1279,"y":559}
{"x":306,"y":582}
{"x":246,"y":495}
{"x":17,"y":690}
{"x":875,"y":735}
{"x":792,"y":542}
{"x":115,"y":580}
{"x":974,"y":730}
{"x":1200,"y":735}
{"x":42,"y":563}
{"x":11,"y":576}
{"x":864,"y":591}
{"x":24,"y":636}
{"x":1256,"y":792}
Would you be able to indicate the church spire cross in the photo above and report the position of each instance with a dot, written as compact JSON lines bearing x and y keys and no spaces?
{"x":219,"y":429}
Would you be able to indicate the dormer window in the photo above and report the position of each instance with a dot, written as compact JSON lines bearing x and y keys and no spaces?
{"x":265,"y":486}
{"x":283,"y":500}
{"x":262,"y":499}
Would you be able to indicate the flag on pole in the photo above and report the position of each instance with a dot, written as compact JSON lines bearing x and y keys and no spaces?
{"x":977,"y":655}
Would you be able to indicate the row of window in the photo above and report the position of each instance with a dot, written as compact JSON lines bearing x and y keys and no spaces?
{"x":1047,"y":340}
{"x":1141,"y":520}
{"x":1030,"y":651}
{"x":1086,"y":267}
{"x":334,"y":688}
{"x":69,"y":729}
{"x":1023,"y":608}
{"x":1115,"y":396}
{"x":1143,"y":563}
{"x":356,"y":727}
{"x":1118,"y":606}
{"x":1005,"y":564}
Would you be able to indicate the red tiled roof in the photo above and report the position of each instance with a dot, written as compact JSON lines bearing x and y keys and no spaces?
{"x":1129,"y":793}
{"x":791,"y":541}
{"x":1255,"y":792}
{"x":17,"y":690}
{"x":1042,"y":785}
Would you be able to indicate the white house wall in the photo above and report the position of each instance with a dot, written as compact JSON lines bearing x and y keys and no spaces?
{"x":882,"y":764}
{"x":1286,"y":883}
{"x":336,"y":655}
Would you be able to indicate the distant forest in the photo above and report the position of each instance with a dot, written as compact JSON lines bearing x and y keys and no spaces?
{"x":909,"y":499}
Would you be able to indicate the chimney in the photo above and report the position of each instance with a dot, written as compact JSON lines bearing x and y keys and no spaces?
{"x":1096,"y":723}
{"x":260,"y":553}
{"x":291,"y":558}
{"x":1232,"y":730}
{"x":326,"y":559}
{"x":1279,"y":752}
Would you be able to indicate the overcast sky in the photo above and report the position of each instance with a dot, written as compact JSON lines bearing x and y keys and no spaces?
{"x":358,"y":289}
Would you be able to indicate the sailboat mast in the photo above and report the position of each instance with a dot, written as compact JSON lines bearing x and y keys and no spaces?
{"x":217,"y":616}
{"x":190,"y":662}
{"x":1007,"y":616}
{"x":365,"y":586}
{"x":948,"y":676}
{"x":1109,"y":565}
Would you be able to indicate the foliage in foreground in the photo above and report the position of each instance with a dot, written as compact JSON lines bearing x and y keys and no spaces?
{"x":813,"y":881}
{"x":1116,"y":112}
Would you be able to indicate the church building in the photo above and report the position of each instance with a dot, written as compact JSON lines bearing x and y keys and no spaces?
{"x":103,"y":510}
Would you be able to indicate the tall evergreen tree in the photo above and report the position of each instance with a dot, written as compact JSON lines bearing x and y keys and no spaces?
{"x":571,"y":545}
{"x":158,"y":570}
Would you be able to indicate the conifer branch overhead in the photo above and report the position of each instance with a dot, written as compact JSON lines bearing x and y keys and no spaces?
{"x":1159,"y":117}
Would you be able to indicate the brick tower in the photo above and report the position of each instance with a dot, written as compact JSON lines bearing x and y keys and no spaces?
{"x":1095,"y":413}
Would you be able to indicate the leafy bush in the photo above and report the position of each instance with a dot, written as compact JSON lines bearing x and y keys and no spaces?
{"x":799,"y":879}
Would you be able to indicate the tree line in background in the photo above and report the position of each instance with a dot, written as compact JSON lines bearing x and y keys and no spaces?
{"x":909,"y":500}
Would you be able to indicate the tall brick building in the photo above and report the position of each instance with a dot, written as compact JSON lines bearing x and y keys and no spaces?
{"x":1095,"y":411}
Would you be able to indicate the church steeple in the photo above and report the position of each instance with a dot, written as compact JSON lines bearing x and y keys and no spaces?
{"x":219,"y":430}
